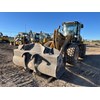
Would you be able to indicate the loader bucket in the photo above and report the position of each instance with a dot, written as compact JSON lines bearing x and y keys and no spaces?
{"x":47,"y":61}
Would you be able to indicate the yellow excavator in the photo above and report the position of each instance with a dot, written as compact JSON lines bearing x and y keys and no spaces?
{"x":50,"y":59}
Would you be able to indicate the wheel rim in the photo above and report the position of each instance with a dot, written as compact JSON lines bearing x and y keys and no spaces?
{"x":72,"y":54}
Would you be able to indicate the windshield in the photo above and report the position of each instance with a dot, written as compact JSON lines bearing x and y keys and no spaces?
{"x":69,"y":29}
{"x":37,"y":36}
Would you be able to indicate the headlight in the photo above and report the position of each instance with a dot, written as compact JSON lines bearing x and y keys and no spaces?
{"x":75,"y":36}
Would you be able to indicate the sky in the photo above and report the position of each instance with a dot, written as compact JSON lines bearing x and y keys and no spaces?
{"x":13,"y":22}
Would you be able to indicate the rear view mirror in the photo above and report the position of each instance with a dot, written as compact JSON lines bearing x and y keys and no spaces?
{"x":82,"y":25}
{"x":59,"y":27}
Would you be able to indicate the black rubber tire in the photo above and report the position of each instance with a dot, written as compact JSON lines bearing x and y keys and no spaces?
{"x":7,"y":41}
{"x":82,"y":50}
{"x":72,"y":54}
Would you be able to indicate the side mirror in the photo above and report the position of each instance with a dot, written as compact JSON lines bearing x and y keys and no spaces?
{"x":82,"y":26}
{"x":59,"y":27}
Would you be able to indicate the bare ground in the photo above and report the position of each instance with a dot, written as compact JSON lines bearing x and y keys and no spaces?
{"x":84,"y":73}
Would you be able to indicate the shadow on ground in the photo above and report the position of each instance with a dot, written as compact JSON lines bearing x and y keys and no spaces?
{"x":84,"y":73}
{"x":92,"y":60}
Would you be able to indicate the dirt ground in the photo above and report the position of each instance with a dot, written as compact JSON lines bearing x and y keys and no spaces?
{"x":84,"y":73}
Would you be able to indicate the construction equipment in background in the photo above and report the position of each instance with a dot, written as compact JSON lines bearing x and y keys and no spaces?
{"x":36,"y":37}
{"x":1,"y":34}
{"x":44,"y":37}
{"x":25,"y":38}
{"x":51,"y":58}
{"x":21,"y":38}
{"x":4,"y":39}
{"x":41,"y":37}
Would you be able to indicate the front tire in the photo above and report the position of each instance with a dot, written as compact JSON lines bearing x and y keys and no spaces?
{"x":72,"y":54}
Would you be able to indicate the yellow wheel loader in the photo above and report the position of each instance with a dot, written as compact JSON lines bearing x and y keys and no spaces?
{"x":50,"y":58}
{"x":69,"y":35}
{"x":41,"y":38}
{"x":21,"y":38}
{"x":4,"y":38}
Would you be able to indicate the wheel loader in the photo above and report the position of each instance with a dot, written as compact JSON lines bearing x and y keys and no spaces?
{"x":4,"y":38}
{"x":21,"y":38}
{"x":70,"y":36}
{"x":70,"y":33}
{"x":41,"y":38}
{"x":50,"y":59}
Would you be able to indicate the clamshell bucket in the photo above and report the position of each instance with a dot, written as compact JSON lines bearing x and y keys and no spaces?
{"x":39,"y":58}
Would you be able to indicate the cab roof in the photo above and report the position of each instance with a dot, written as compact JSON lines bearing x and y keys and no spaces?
{"x":71,"y":22}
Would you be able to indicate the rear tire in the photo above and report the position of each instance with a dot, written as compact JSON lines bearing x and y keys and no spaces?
{"x":82,"y":50}
{"x":72,"y":54}
{"x":7,"y":41}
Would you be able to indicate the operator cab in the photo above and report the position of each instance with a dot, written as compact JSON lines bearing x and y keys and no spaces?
{"x":72,"y":28}
{"x":37,"y":37}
